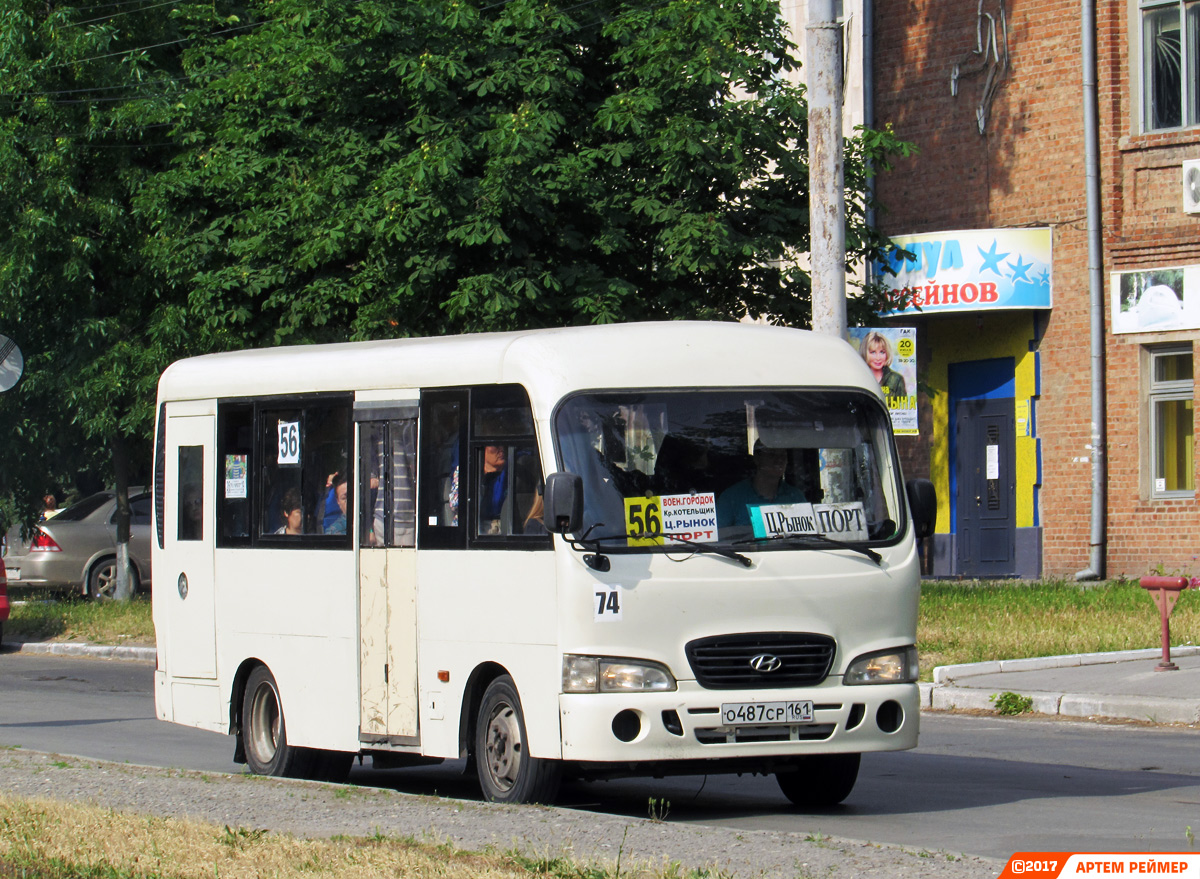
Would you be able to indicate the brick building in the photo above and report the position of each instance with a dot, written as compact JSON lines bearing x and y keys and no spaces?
{"x":993,"y":95}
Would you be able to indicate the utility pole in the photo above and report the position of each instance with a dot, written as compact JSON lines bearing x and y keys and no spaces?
{"x":827,"y":191}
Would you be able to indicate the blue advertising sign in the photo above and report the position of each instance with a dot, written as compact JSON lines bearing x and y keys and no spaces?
{"x":972,"y":270}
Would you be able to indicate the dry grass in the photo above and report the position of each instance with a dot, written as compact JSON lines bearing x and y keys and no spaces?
{"x":45,"y":839}
{"x":976,"y":622}
{"x":52,"y":839}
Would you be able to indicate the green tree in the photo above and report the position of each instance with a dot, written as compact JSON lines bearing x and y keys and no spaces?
{"x":368,"y":168}
{"x":77,"y":140}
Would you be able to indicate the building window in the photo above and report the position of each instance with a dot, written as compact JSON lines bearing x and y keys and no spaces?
{"x":1170,"y":63}
{"x":1172,"y":388}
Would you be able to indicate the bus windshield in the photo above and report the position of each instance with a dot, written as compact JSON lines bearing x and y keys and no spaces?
{"x":754,"y":468}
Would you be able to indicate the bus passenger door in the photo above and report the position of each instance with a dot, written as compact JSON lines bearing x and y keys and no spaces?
{"x":386,"y":501}
{"x":186,"y":586}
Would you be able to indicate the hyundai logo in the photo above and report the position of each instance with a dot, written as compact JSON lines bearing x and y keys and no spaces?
{"x":766,"y":662}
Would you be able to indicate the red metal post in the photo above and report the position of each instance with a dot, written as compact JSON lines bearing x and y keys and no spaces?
{"x":1165,"y":592}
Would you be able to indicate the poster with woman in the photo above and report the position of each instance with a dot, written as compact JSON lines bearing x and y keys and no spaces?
{"x":891,"y":354}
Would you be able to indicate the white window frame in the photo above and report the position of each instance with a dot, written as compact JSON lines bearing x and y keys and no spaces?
{"x":1189,"y":96}
{"x":1158,"y":392}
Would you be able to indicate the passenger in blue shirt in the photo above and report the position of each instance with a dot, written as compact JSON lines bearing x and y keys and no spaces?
{"x":766,"y":486}
{"x":340,"y":487}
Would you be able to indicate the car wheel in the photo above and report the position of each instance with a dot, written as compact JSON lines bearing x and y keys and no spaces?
{"x":264,"y":732}
{"x":102,"y":580}
{"x":507,"y":772}
{"x":821,"y":780}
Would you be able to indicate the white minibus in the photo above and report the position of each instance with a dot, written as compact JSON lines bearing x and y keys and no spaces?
{"x":593,"y":552}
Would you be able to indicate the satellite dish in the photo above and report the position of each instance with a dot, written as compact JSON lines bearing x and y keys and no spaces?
{"x":12,"y":364}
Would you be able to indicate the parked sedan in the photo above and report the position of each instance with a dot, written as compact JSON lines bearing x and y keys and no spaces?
{"x":77,"y":549}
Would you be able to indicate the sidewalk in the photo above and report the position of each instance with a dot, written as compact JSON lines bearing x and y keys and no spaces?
{"x":1121,"y":685}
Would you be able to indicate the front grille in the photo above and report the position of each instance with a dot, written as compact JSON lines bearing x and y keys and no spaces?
{"x":725,"y":662}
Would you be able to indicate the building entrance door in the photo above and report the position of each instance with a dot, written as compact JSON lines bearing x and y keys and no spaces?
{"x":985,"y":486}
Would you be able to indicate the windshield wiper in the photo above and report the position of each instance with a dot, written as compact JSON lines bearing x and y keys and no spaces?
{"x":586,"y":541}
{"x":699,"y":547}
{"x":817,"y":541}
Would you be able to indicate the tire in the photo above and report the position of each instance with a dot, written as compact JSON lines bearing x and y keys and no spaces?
{"x":507,"y":773}
{"x":264,"y":732}
{"x":102,"y":580}
{"x":820,"y":781}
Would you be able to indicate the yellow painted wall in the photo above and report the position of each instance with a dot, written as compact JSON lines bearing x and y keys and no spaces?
{"x":958,"y":340}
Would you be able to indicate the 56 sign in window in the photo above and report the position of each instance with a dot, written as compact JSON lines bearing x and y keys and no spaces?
{"x":289,"y":442}
{"x":643,"y":515}
{"x":671,"y":516}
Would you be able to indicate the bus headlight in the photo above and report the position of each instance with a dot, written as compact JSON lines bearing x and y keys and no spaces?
{"x":897,"y":666}
{"x":598,"y":674}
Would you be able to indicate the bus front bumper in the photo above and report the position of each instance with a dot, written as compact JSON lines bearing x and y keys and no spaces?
{"x":686,"y":725}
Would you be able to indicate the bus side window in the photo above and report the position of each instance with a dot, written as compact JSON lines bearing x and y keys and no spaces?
{"x":387,"y":455}
{"x":190,"y":492}
{"x":442,"y":482}
{"x":402,"y":441}
{"x":506,"y":470}
{"x":306,"y":451}
{"x":235,"y":455}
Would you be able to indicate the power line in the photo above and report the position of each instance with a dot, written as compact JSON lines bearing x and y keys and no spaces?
{"x":13,"y":98}
{"x":115,"y":14}
{"x":154,"y":46}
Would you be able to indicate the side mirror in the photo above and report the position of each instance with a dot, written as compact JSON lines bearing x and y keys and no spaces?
{"x":563,"y":498}
{"x":922,"y":502}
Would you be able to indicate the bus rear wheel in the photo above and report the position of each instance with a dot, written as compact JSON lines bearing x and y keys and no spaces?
{"x":820,"y":781}
{"x":507,"y":772}
{"x":264,"y":732}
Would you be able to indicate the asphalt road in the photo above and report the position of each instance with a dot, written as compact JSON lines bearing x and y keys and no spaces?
{"x":979,"y":785}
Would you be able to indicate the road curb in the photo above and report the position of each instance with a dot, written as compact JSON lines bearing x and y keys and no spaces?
{"x":947,"y":674}
{"x":943,"y":694}
{"x":98,"y":651}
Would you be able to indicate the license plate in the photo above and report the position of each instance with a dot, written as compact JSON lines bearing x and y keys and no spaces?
{"x":13,"y":573}
{"x":764,"y":713}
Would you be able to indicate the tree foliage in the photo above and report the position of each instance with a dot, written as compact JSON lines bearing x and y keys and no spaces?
{"x":376,"y":169}
{"x":227,"y":173}
{"x":74,"y":290}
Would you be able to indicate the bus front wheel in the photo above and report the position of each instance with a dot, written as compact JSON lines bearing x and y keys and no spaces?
{"x":507,"y":772}
{"x":264,"y":732}
{"x":821,"y":780}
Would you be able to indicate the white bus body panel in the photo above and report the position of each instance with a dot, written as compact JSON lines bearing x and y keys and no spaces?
{"x":498,"y":607}
{"x":297,"y":613}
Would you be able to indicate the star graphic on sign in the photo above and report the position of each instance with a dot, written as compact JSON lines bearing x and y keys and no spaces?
{"x":1020,"y":271}
{"x":991,"y":259}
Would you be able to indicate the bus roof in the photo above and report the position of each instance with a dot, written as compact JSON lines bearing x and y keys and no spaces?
{"x":550,"y":363}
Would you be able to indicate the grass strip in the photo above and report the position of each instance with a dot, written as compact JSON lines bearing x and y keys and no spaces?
{"x":46,"y":616}
{"x":978,"y":622}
